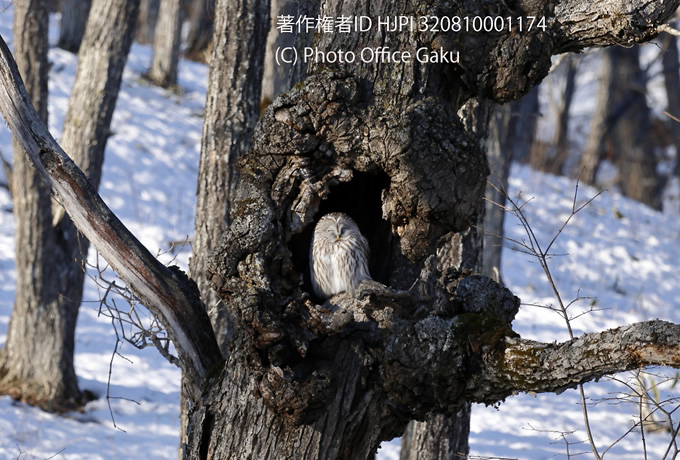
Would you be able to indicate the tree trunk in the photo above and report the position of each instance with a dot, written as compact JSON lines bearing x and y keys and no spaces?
{"x":87,"y":124}
{"x":560,"y":153}
{"x":200,"y":30}
{"x":671,"y":78}
{"x":438,"y":438}
{"x":277,"y":74}
{"x":36,"y":365}
{"x":146,"y":21}
{"x":232,"y":109}
{"x":73,"y":21}
{"x":594,"y":151}
{"x":634,"y":154}
{"x":86,"y":128}
{"x":314,"y":152}
{"x":525,"y":115}
{"x":166,"y":43}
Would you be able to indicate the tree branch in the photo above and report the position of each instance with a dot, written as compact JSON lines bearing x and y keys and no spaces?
{"x":525,"y":365}
{"x":580,"y":24}
{"x":167,"y":292}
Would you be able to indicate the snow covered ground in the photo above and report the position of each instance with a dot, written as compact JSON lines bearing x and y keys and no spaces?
{"x":621,"y":255}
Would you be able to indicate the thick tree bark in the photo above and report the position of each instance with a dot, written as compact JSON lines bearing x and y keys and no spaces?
{"x":232,"y":109}
{"x":74,"y":15}
{"x":37,"y":363}
{"x":166,"y":43}
{"x":313,"y":147}
{"x":442,"y":436}
{"x":438,"y":438}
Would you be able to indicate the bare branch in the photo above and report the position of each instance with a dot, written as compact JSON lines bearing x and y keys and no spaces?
{"x":531,"y":366}
{"x":167,"y":292}
{"x":580,"y":24}
{"x":668,"y":29}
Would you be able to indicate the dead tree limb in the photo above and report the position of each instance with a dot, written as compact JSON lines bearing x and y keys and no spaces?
{"x":167,"y":292}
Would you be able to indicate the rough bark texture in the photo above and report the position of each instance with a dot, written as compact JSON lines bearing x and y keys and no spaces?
{"x":166,"y":43}
{"x":382,"y":142}
{"x":440,"y":437}
{"x":39,"y":371}
{"x":166,"y":291}
{"x":74,"y":15}
{"x":232,"y":109}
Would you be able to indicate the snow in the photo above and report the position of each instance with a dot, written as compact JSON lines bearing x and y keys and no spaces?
{"x":621,"y":256}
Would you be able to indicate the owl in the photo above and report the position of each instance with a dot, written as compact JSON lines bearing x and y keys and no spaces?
{"x":338,"y":255}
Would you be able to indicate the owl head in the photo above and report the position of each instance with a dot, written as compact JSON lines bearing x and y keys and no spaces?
{"x":335,"y":226}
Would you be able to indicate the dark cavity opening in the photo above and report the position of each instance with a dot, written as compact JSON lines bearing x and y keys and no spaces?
{"x":360,"y":198}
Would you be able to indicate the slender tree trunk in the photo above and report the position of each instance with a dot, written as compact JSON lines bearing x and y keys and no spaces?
{"x":634,"y":154}
{"x":200,"y":30}
{"x":94,"y":94}
{"x":51,"y":316}
{"x":232,"y":109}
{"x":594,"y":151}
{"x":37,"y":363}
{"x":561,"y":139}
{"x":525,"y":115}
{"x":73,"y":21}
{"x":166,"y":44}
{"x":146,"y":21}
{"x":671,"y":78}
{"x":276,"y":78}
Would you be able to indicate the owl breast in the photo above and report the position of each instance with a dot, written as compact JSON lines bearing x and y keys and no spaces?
{"x":338,"y":256}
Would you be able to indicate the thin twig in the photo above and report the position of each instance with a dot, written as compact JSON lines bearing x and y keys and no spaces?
{"x":668,"y":29}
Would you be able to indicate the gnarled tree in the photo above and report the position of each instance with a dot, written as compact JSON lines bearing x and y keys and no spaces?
{"x":383,"y":142}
